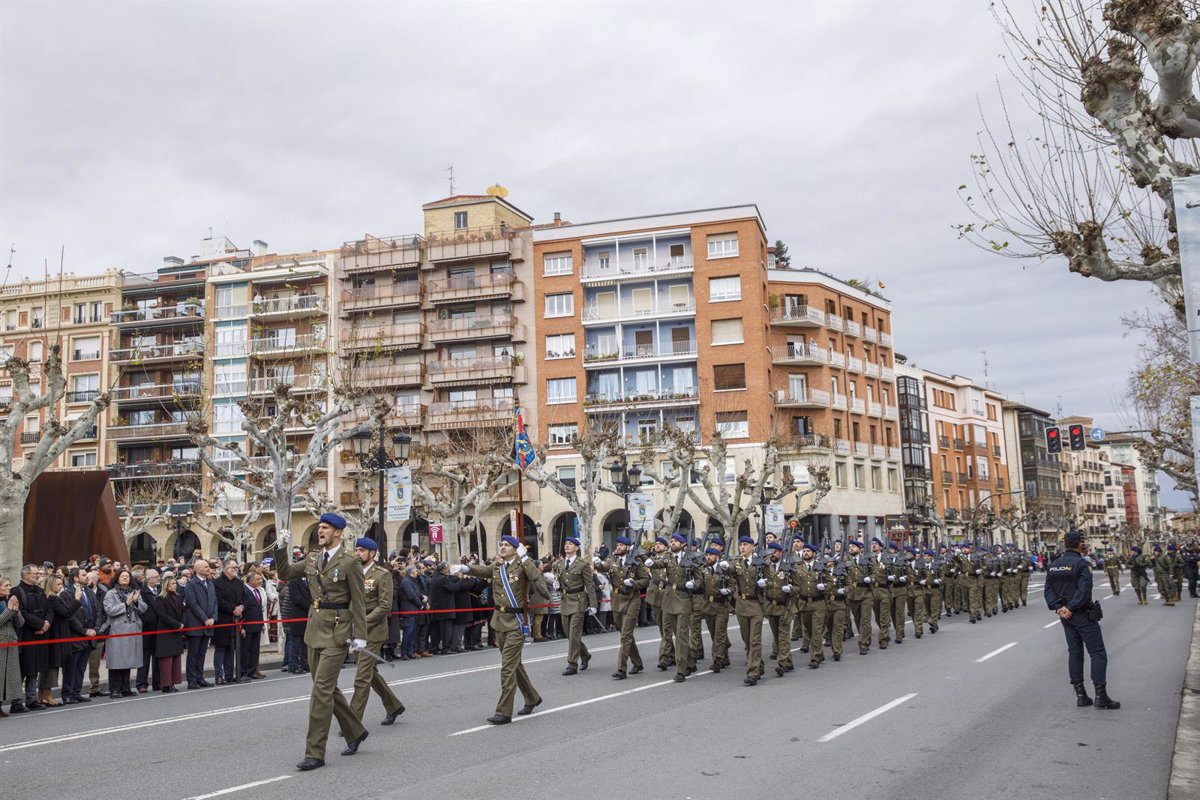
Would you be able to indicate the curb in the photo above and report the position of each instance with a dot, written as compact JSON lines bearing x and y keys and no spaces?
{"x":1184,"y":783}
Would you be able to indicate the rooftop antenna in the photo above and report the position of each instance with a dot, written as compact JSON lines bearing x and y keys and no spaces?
{"x":8,"y":270}
{"x":1058,"y":409}
{"x":985,"y":369}
{"x":450,"y":174}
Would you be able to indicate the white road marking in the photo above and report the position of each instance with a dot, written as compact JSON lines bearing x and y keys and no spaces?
{"x":995,"y":652}
{"x":870,"y":715}
{"x":233,"y":789}
{"x":1109,"y":597}
{"x":1051,"y":625}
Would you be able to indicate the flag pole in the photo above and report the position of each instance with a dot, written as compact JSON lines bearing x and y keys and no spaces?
{"x":517,"y":425}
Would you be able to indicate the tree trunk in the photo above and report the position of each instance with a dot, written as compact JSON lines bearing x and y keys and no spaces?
{"x":12,"y":532}
{"x":283,"y":511}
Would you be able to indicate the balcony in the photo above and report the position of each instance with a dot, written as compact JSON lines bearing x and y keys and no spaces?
{"x":943,"y":442}
{"x":996,"y":450}
{"x":157,"y":392}
{"x":473,"y":287}
{"x":834,"y":322}
{"x":888,"y":374}
{"x":595,"y":272}
{"x":482,"y":370}
{"x":376,"y":253}
{"x":870,"y":369}
{"x":878,"y":451}
{"x":812,"y":442}
{"x":853,"y":329}
{"x":874,"y":410}
{"x":999,"y":483}
{"x":607,"y":354}
{"x":395,"y":336}
{"x":288,"y":346}
{"x":157,"y":354}
{"x":870,"y":334}
{"x":963,"y":478}
{"x":469,"y":413}
{"x":406,"y":415}
{"x":295,"y":307}
{"x":374,"y":375}
{"x":83,"y":396}
{"x":840,"y":402}
{"x":796,"y":354}
{"x":891,"y":412}
{"x":947,"y":478}
{"x":593,"y":314}
{"x":155,"y":469}
{"x":474,"y":243}
{"x":160,"y":316}
{"x":300,"y":384}
{"x":893,"y":454}
{"x":383,"y":295}
{"x":842,"y":447}
{"x":802,"y":398}
{"x":176,"y":509}
{"x":885,"y":339}
{"x":477,"y":327}
{"x":655,"y":398}
{"x":959,"y":444}
{"x":31,"y":437}
{"x":861,"y":449}
{"x":160,"y":430}
{"x":854,"y":364}
{"x":795,"y":316}
{"x":858,"y":405}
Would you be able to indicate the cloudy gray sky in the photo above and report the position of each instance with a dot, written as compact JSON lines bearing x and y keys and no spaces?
{"x":127,"y":130}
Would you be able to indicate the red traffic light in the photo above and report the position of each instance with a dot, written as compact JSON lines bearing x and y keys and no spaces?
{"x":1077,"y":439}
{"x":1077,"y":430}
{"x":1052,"y":433}
{"x":1053,"y":440}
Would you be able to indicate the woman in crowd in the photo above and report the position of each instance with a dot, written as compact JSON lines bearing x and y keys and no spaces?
{"x":11,"y":689}
{"x":554,"y":628}
{"x":168,"y":646}
{"x":60,"y":628}
{"x":124,"y":606}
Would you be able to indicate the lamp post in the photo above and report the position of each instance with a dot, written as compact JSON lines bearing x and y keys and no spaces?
{"x":373,"y":455}
{"x":765,"y":497}
{"x":625,"y":478}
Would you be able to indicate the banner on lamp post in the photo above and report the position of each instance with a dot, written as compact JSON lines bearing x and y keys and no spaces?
{"x":399,"y":494}
{"x":641,"y":511}
{"x":775,"y":520}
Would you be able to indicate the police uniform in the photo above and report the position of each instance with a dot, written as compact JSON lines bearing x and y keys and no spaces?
{"x":377,"y":597}
{"x":629,"y":578}
{"x":338,"y":615}
{"x":1069,"y":587}
{"x":578,"y":599}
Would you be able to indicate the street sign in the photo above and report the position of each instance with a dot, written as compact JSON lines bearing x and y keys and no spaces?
{"x":1097,"y":434}
{"x":435,"y":534}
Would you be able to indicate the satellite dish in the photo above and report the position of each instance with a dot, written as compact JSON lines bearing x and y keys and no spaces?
{"x":496,"y":190}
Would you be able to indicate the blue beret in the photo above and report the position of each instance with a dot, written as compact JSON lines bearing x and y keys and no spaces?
{"x":930,"y":553}
{"x":1171,"y":547}
{"x":366,"y":543}
{"x":855,"y":542}
{"x":679,"y":537}
{"x":1135,"y":548}
{"x":775,"y":546}
{"x":893,"y":546}
{"x":745,"y":540}
{"x":912,"y":550}
{"x":712,"y":551}
{"x":659,"y":540}
{"x":877,"y":540}
{"x":623,"y":540}
{"x":572,"y":540}
{"x":1073,"y":537}
{"x":512,"y":540}
{"x":336,"y":520}
{"x":809,"y":546}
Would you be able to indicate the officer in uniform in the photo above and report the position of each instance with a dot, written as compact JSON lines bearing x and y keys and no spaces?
{"x":971,"y":580}
{"x":836,"y":591}
{"x":337,"y":619}
{"x":1138,"y":564}
{"x":1162,"y":576}
{"x":629,"y":578}
{"x":511,"y":575}
{"x":809,"y":587}
{"x":881,"y":594}
{"x":675,"y":566}
{"x":1112,"y":566}
{"x":578,"y":602}
{"x":949,"y":575}
{"x":1175,"y":573}
{"x":1008,"y":579}
{"x":718,"y":592}
{"x":778,"y":607}
{"x":377,"y":596}
{"x":1024,"y":568}
{"x":749,"y":582}
{"x":654,"y":599}
{"x":858,"y":590}
{"x":898,"y":580}
{"x":993,"y":569}
{"x":922,"y":587}
{"x":1068,"y":593}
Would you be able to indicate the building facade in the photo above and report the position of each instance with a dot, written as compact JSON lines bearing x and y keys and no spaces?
{"x":1040,"y":472}
{"x":1141,"y":490}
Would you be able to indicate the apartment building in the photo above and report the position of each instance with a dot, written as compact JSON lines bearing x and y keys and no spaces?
{"x":1141,"y":494}
{"x":1037,"y":472}
{"x":916,"y":452}
{"x":833,"y":383}
{"x":1120,"y":499}
{"x":1083,"y":482}
{"x":72,"y":312}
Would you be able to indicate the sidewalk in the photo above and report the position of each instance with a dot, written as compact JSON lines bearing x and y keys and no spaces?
{"x":1185,"y":766}
{"x":270,"y":657}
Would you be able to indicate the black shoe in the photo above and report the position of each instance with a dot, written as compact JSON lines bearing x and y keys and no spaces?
{"x":973,"y":620}
{"x":81,"y":699}
{"x":827,"y":643}
{"x":95,"y":693}
{"x":750,"y":680}
{"x":662,"y":666}
{"x":933,"y":628}
{"x":680,"y":677}
{"x":837,"y":656}
{"x":1102,"y":698}
{"x":17,"y":708}
{"x":899,"y":641}
{"x":780,"y":671}
{"x":130,"y":693}
{"x":774,"y":656}
{"x":635,"y":669}
{"x":310,"y":763}
{"x":390,"y":719}
{"x":352,"y":747}
{"x":918,"y":635}
{"x":690,"y":671}
{"x":619,"y":675}
{"x":193,"y":686}
{"x":862,"y":651}
{"x":883,"y":645}
{"x":803,"y":648}
{"x":570,"y":670}
{"x":714,"y":667}
{"x":814,"y":665}
{"x":499,"y":719}
{"x":1081,"y":696}
{"x":583,"y":661}
{"x":203,"y":683}
{"x":528,"y":708}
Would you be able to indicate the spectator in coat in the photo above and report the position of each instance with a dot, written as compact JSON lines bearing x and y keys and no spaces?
{"x":83,"y":623}
{"x":441,"y":601}
{"x":230,"y":605}
{"x":168,"y":646}
{"x":35,"y":609}
{"x":300,"y":599}
{"x":125,"y":607}
{"x":461,"y":583}
{"x":254,"y":601}
{"x":147,"y":674}
{"x":199,"y":615}
{"x":11,"y":689}
{"x":62,"y":607}
{"x":412,"y":600}
{"x":100,"y":579}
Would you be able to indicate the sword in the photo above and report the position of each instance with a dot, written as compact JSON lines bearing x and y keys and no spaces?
{"x":373,"y":655}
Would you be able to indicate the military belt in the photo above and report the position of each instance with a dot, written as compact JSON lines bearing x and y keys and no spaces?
{"x":574,"y":591}
{"x":330,"y":604}
{"x":507,"y":610}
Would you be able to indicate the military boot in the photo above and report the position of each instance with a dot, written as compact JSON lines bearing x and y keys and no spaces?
{"x":1081,"y":695}
{"x":1102,"y":698}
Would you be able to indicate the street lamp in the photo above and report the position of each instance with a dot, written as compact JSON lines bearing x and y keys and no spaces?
{"x":373,"y":455}
{"x":625,"y":478}
{"x":765,"y":497}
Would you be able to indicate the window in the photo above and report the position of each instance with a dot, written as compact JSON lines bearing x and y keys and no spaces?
{"x":639,"y":258}
{"x":560,"y":346}
{"x":85,"y":459}
{"x":647,"y":428}
{"x":460,"y":220}
{"x":563,"y":435}
{"x":560,"y":390}
{"x":230,"y":342}
{"x":85,"y":348}
{"x":733,"y":424}
{"x":84,"y":388}
{"x":231,"y":379}
{"x":839,"y":474}
{"x":566,"y":476}
{"x":722,"y":245}
{"x":80,"y":313}
{"x":604,"y":258}
{"x":859,"y":477}
{"x":145,"y":416}
{"x":37,"y":317}
{"x":97,"y":312}
{"x":727,"y":331}
{"x":35,"y":352}
{"x":721,"y":290}
{"x":891,"y":478}
{"x":685,"y":424}
{"x":876,"y":478}
{"x":727,"y":377}
{"x":227,"y":418}
{"x":557,"y":264}
{"x":560,"y":305}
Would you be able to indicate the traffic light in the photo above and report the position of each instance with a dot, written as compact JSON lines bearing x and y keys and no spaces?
{"x":1076,"y":435}
{"x":1053,"y":440}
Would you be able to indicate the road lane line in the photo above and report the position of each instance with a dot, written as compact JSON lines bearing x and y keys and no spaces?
{"x":586,"y":702}
{"x":995,"y":652}
{"x":870,"y":715}
{"x":233,"y":789}
{"x":1107,"y":598}
{"x":1051,"y":625}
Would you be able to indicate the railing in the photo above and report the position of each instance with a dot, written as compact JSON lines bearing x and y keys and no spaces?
{"x":231,"y":311}
{"x":389,"y":374}
{"x":878,"y":451}
{"x":861,"y":449}
{"x":381,"y":294}
{"x":152,"y":431}
{"x":834,"y":322}
{"x":31,"y":438}
{"x":870,"y":369}
{"x":812,"y":441}
{"x":962,"y":478}
{"x":473,"y":243}
{"x":466,"y":412}
{"x":155,"y":469}
{"x":802,"y":397}
{"x":888,"y":374}
{"x":158,"y":351}
{"x":276,"y":344}
{"x":947,"y":477}
{"x":874,"y":409}
{"x":651,"y":396}
{"x":664,"y":350}
{"x":842,"y":447}
{"x":999,"y":483}
{"x":156,"y":391}
{"x":804,"y":353}
{"x":797,"y":315}
{"x":853,"y":328}
{"x":943,"y":442}
{"x":996,"y":450}
{"x":870,"y":334}
{"x":885,"y":339}
{"x":287,"y":305}
{"x":85,"y":396}
{"x":894,"y":454}
{"x":959,"y":444}
{"x":592,"y":270}
{"x":366,"y":337}
{"x":840,"y":402}
{"x":453,"y":368}
{"x":891,"y":412}
{"x":592,"y":313}
{"x":301,"y":383}
{"x":858,"y":405}
{"x":186,"y":312}
{"x":854,"y":364}
{"x":837,"y":359}
{"x":467,"y":285}
{"x":494,"y":325}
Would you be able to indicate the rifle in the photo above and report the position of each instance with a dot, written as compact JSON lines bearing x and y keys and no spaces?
{"x":789,"y":555}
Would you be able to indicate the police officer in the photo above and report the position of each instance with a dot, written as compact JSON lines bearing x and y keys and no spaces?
{"x":377,"y":595}
{"x":1068,"y":593}
{"x":337,"y":618}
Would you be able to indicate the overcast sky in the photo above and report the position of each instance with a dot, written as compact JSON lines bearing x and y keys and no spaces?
{"x":128,"y":130}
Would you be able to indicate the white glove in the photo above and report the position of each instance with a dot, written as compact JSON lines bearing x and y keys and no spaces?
{"x":921,"y":583}
{"x":841,"y":591}
{"x":649,"y":563}
{"x":994,"y":574}
{"x":820,"y":587}
{"x":724,"y":591}
{"x":628,"y":581}
{"x":867,"y":579}
{"x":762,"y":583}
{"x":521,"y":551}
{"x":903,"y":579}
{"x":891,"y":577}
{"x":595,"y":559}
{"x":724,"y":565}
{"x":360,"y":644}
{"x":690,"y":585}
{"x":787,"y":588}
{"x":978,"y":572}
{"x":591,"y":611}
{"x":937,"y":581}
{"x":285,"y":538}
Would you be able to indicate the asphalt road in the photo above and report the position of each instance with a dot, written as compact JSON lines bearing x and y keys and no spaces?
{"x":983,"y":709}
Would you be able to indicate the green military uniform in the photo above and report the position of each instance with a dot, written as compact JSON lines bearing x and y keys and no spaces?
{"x":506,"y":622}
{"x":836,"y":592}
{"x":1162,"y":577}
{"x":778,"y":609}
{"x":654,"y":599}
{"x":578,"y":598}
{"x":338,"y":615}
{"x":949,"y":580}
{"x":881,"y":598}
{"x":716,"y":613}
{"x":675,"y":566}
{"x":1112,"y":566}
{"x":1138,"y":564}
{"x":970,"y":570}
{"x":1009,"y":582}
{"x":377,"y":597}
{"x":1024,"y":569}
{"x":746,"y":575}
{"x":921,"y":577}
{"x":858,"y":592}
{"x":898,"y":575}
{"x":1177,"y":572}
{"x":629,"y":578}
{"x":993,"y":568}
{"x":808,"y":591}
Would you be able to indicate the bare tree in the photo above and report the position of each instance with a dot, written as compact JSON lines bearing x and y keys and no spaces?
{"x":142,"y":505}
{"x":360,"y":515}
{"x":1112,"y":85}
{"x":675,"y":452}
{"x":55,"y":437}
{"x":594,"y":449}
{"x":731,"y":499}
{"x":230,"y":516}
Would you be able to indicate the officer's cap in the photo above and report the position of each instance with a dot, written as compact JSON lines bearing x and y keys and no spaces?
{"x":1073,"y":538}
{"x":336,"y":520}
{"x":366,"y":543}
{"x":930,"y":553}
